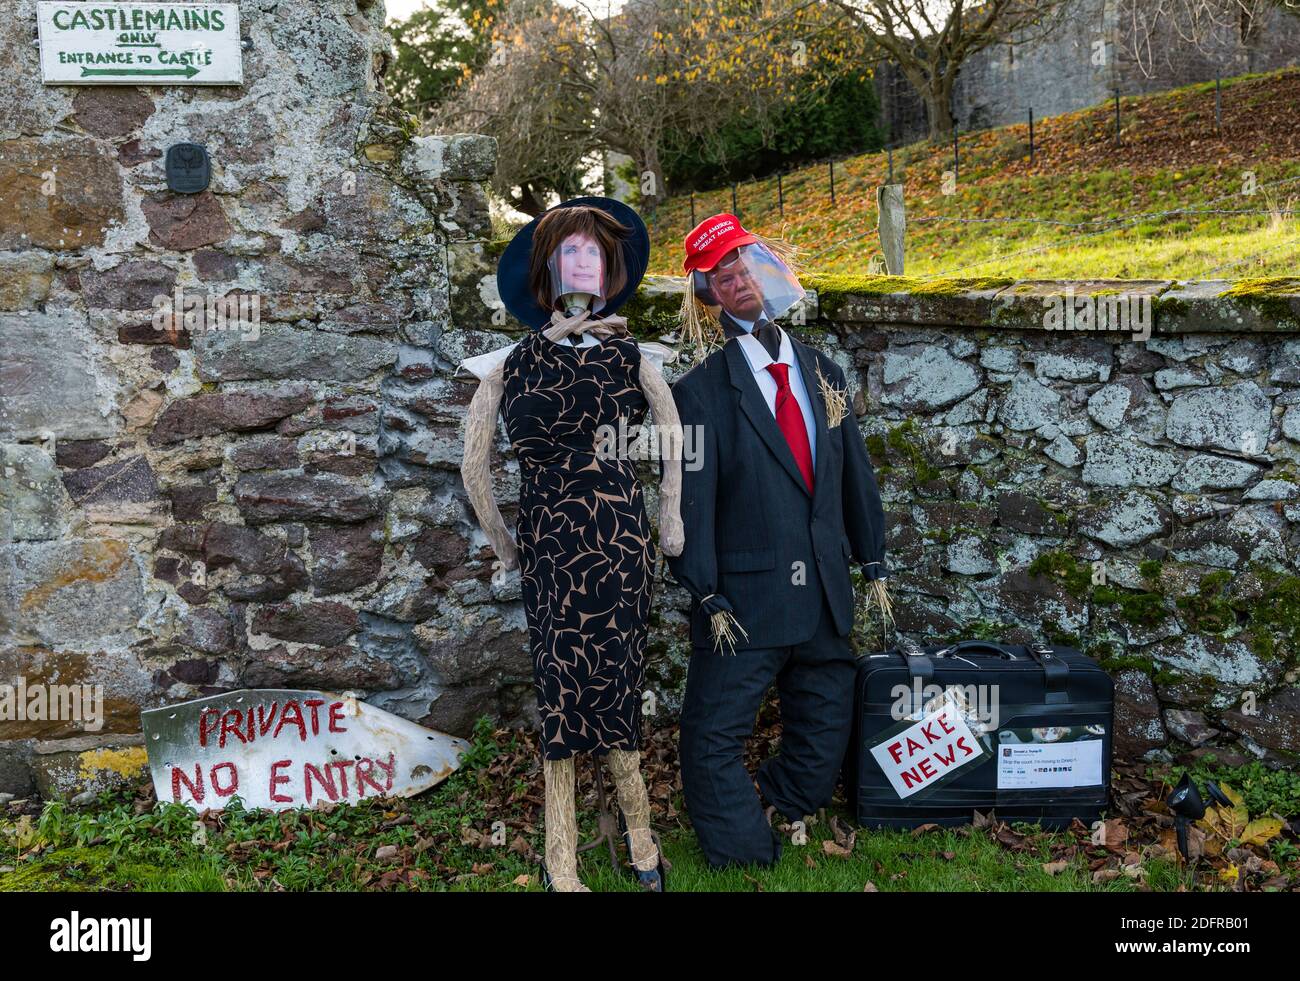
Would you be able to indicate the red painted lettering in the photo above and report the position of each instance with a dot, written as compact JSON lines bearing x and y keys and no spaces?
{"x":341,"y":765}
{"x":265,"y":721}
{"x":927,"y":768}
{"x":195,"y":786}
{"x":390,"y":770}
{"x":292,"y":707}
{"x":943,"y":724}
{"x":233,"y":727}
{"x":314,"y":704}
{"x":336,"y":715}
{"x":276,"y":780}
{"x":961,"y":741}
{"x":234,"y":777}
{"x":365,"y":767}
{"x":326,"y":780}
{"x":913,"y":747}
{"x":206,"y":730}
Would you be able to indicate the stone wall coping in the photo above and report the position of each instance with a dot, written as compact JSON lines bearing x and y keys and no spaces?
{"x":1269,"y":306}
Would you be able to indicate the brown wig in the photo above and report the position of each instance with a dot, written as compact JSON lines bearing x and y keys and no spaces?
{"x":557,"y":225}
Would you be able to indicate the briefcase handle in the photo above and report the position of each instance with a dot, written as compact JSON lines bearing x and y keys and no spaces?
{"x":1056,"y":672}
{"x":976,"y":647}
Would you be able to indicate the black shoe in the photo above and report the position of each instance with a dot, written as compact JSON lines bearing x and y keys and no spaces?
{"x":651,"y":880}
{"x":548,"y":884}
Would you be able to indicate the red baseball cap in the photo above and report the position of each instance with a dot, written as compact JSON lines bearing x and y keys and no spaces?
{"x":712,"y":239}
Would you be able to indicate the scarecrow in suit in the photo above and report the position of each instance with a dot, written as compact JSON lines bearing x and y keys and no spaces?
{"x":782,"y":502}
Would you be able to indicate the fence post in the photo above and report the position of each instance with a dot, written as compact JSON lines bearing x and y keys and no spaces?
{"x":1218,"y":104}
{"x":693,"y":209}
{"x":1031,"y":134}
{"x":889,"y":205}
{"x":780,"y":194}
{"x":832,"y":169}
{"x":1117,"y":117}
{"x":735,"y":208}
{"x":890,"y":150}
{"x":956,"y":163}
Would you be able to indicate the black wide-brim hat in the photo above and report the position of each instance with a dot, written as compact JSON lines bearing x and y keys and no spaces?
{"x":512,"y":270}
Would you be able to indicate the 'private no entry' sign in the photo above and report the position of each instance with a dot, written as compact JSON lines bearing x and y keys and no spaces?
{"x":89,"y":43}
{"x":282,"y":749}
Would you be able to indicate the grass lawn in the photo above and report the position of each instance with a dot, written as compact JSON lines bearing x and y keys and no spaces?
{"x":481,"y":830}
{"x":1169,"y":159}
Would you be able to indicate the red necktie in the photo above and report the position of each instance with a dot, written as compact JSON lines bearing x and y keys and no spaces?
{"x":790,"y":421}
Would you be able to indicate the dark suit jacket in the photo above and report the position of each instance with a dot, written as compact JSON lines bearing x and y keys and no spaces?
{"x":751,"y":525}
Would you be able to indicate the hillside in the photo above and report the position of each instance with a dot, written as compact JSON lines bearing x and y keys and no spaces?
{"x":1101,"y":210}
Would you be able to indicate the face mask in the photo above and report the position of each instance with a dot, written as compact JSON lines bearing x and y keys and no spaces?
{"x":750,"y":283}
{"x":577,"y":268}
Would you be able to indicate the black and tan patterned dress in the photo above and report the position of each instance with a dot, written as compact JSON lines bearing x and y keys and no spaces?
{"x":586,"y":552}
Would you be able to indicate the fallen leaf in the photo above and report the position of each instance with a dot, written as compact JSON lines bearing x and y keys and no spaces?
{"x":1261,"y":830}
{"x":836,"y":851}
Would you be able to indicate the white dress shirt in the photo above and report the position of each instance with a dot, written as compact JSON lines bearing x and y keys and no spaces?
{"x":759,"y":359}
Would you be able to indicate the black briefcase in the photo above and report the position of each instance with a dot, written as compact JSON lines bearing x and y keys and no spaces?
{"x":1024,"y":731}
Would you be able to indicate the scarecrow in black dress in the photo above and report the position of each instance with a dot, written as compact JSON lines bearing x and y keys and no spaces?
{"x":585,"y":548}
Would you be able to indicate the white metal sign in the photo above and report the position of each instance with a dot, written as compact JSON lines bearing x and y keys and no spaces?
{"x":282,"y":750}
{"x":90,"y":43}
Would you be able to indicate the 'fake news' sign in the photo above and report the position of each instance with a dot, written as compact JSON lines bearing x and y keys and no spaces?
{"x":287,"y":749}
{"x":927,"y":751}
{"x":91,"y":43}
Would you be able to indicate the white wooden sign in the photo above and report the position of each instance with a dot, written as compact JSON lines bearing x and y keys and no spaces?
{"x":92,"y":43}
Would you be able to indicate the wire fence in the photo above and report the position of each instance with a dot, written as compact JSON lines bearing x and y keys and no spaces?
{"x":762,"y":200}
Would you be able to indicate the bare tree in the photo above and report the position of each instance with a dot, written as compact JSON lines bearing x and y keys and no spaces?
{"x":930,"y":40}
{"x":533,"y":104}
{"x":1153,"y":32}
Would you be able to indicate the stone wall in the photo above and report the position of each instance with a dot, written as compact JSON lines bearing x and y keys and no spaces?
{"x":190,"y":510}
{"x":1139,"y":499}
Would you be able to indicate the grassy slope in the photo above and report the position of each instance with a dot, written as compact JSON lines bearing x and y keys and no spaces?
{"x":1169,"y":158}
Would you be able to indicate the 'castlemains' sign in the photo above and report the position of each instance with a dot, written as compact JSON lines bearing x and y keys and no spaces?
{"x":89,"y":43}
